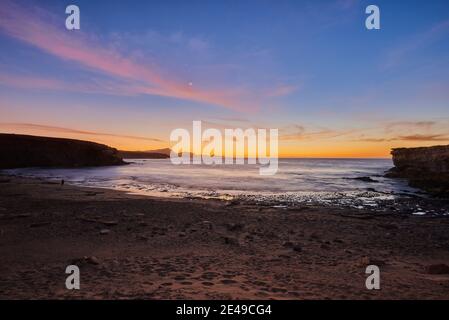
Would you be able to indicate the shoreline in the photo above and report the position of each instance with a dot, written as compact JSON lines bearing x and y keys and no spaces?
{"x":370,"y":199}
{"x":135,"y":247}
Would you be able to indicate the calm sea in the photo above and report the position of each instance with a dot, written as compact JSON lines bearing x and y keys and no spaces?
{"x":297,"y":180}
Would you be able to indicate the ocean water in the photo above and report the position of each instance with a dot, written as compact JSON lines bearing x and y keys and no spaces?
{"x":297,"y":180}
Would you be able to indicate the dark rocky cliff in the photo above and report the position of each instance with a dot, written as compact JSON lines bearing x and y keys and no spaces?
{"x":426,"y":168}
{"x":19,"y":151}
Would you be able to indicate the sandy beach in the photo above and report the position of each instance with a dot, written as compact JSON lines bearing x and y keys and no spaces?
{"x":136,"y":247}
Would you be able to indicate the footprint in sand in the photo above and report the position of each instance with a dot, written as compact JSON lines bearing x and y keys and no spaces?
{"x":228,"y":281}
{"x":166,"y":284}
{"x":209,"y":275}
{"x":206,"y":283}
{"x":275,"y":290}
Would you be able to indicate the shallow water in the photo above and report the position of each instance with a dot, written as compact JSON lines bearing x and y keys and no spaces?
{"x":297,"y":180}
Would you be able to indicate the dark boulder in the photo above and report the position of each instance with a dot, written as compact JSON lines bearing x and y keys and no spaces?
{"x":426,"y":168}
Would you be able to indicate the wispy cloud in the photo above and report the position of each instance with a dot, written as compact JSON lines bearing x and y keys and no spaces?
{"x":35,"y":26}
{"x":232,"y":119}
{"x":56,"y":129}
{"x":409,"y":125}
{"x":414,"y":137}
{"x":418,"y":131}
{"x":424,"y":137}
{"x":28,"y":81}
{"x":301,"y":133}
{"x":32,"y":82}
{"x":425,"y":130}
{"x":282,"y":90}
{"x":362,"y":139}
{"x":396,"y":55}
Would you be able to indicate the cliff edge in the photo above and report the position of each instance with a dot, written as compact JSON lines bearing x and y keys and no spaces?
{"x":426,"y":168}
{"x":19,"y":151}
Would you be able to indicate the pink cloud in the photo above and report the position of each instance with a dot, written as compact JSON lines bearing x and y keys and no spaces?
{"x":40,"y":29}
{"x":282,"y":91}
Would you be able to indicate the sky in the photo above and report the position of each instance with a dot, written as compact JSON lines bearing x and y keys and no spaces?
{"x":136,"y":70}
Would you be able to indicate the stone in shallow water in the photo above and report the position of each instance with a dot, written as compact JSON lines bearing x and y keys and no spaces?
{"x":364,"y":179}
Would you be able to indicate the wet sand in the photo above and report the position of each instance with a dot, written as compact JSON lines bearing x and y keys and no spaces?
{"x":135,"y":247}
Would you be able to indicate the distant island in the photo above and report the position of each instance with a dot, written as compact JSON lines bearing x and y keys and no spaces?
{"x":150,"y":154}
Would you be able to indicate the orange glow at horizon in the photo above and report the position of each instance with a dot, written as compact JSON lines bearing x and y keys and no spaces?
{"x":324,"y":148}
{"x":302,"y":149}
